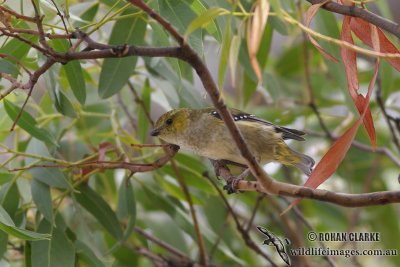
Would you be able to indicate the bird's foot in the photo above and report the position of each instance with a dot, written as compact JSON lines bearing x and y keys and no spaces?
{"x":232,"y":184}
{"x":219,"y":165}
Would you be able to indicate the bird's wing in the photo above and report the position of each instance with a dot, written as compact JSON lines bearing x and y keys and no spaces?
{"x":239,"y":115}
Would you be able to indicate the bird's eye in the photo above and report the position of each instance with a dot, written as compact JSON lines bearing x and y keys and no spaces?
{"x":168,"y":122}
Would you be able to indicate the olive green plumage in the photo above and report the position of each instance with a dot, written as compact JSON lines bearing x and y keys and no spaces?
{"x":203,"y":132}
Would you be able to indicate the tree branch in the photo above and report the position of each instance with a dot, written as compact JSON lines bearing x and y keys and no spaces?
{"x":342,"y":199}
{"x":171,"y":150}
{"x":385,"y":24}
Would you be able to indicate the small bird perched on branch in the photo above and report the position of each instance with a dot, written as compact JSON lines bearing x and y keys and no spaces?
{"x":203,"y":132}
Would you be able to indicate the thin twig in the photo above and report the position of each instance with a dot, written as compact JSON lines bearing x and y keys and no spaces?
{"x":62,"y":19}
{"x":188,"y":197}
{"x":36,"y":33}
{"x":254,"y":212}
{"x":126,"y":111}
{"x":309,"y":86}
{"x":17,"y":15}
{"x":245,"y":235}
{"x":140,"y":102}
{"x":163,"y":244}
{"x":381,"y":104}
{"x":171,"y":150}
{"x":42,"y":39}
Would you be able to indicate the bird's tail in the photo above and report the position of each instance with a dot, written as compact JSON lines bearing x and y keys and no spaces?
{"x":287,"y":156}
{"x":304,"y":162}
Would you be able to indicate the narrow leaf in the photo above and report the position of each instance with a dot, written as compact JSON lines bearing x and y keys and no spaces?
{"x":8,"y":226}
{"x":8,"y":67}
{"x":350,"y":65}
{"x":309,"y":16}
{"x":96,"y":206}
{"x":180,"y":14}
{"x":51,"y":176}
{"x":74,"y":72}
{"x":62,"y":103}
{"x":58,"y":252}
{"x":335,"y":155}
{"x":116,"y":71}
{"x":42,"y":198}
{"x":255,"y":31}
{"x":27,"y":122}
{"x":143,"y":121}
{"x":17,"y":48}
{"x":363,"y":31}
{"x":86,"y":254}
{"x":225,"y":52}
{"x":204,"y":19}
{"x":127,"y":206}
{"x":212,"y":28}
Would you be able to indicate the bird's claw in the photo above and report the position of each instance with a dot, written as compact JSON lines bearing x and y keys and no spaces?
{"x":232,"y":184}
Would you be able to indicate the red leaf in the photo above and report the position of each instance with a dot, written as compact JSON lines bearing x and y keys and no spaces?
{"x":363,"y":31}
{"x":309,"y":16}
{"x":255,"y":32}
{"x":350,"y":65}
{"x":349,"y":58}
{"x":335,"y":155}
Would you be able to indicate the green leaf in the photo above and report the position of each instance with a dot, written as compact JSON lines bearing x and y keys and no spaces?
{"x":96,"y":206}
{"x":59,"y":251}
{"x":212,"y":28}
{"x":73,"y":71}
{"x":50,"y":176}
{"x":126,"y":201}
{"x":142,"y":118}
{"x":8,"y":226}
{"x":116,"y":71}
{"x":180,"y":14}
{"x":3,"y":243}
{"x":8,"y":67}
{"x":204,"y":19}
{"x":9,"y":198}
{"x":127,"y":206}
{"x":28,"y":254}
{"x":42,"y":198}
{"x":88,"y":15}
{"x":62,"y":103}
{"x":5,"y":177}
{"x":27,"y":122}
{"x":86,"y":254}
{"x":161,"y":38}
{"x":17,"y":48}
{"x":278,"y":25}
{"x":225,"y":52}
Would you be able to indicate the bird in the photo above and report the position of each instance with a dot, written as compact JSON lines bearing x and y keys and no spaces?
{"x":203,"y":132}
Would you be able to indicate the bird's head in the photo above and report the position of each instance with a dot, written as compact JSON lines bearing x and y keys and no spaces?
{"x":171,"y":125}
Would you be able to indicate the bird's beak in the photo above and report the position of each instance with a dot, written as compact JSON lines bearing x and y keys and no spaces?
{"x":155,"y":132}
